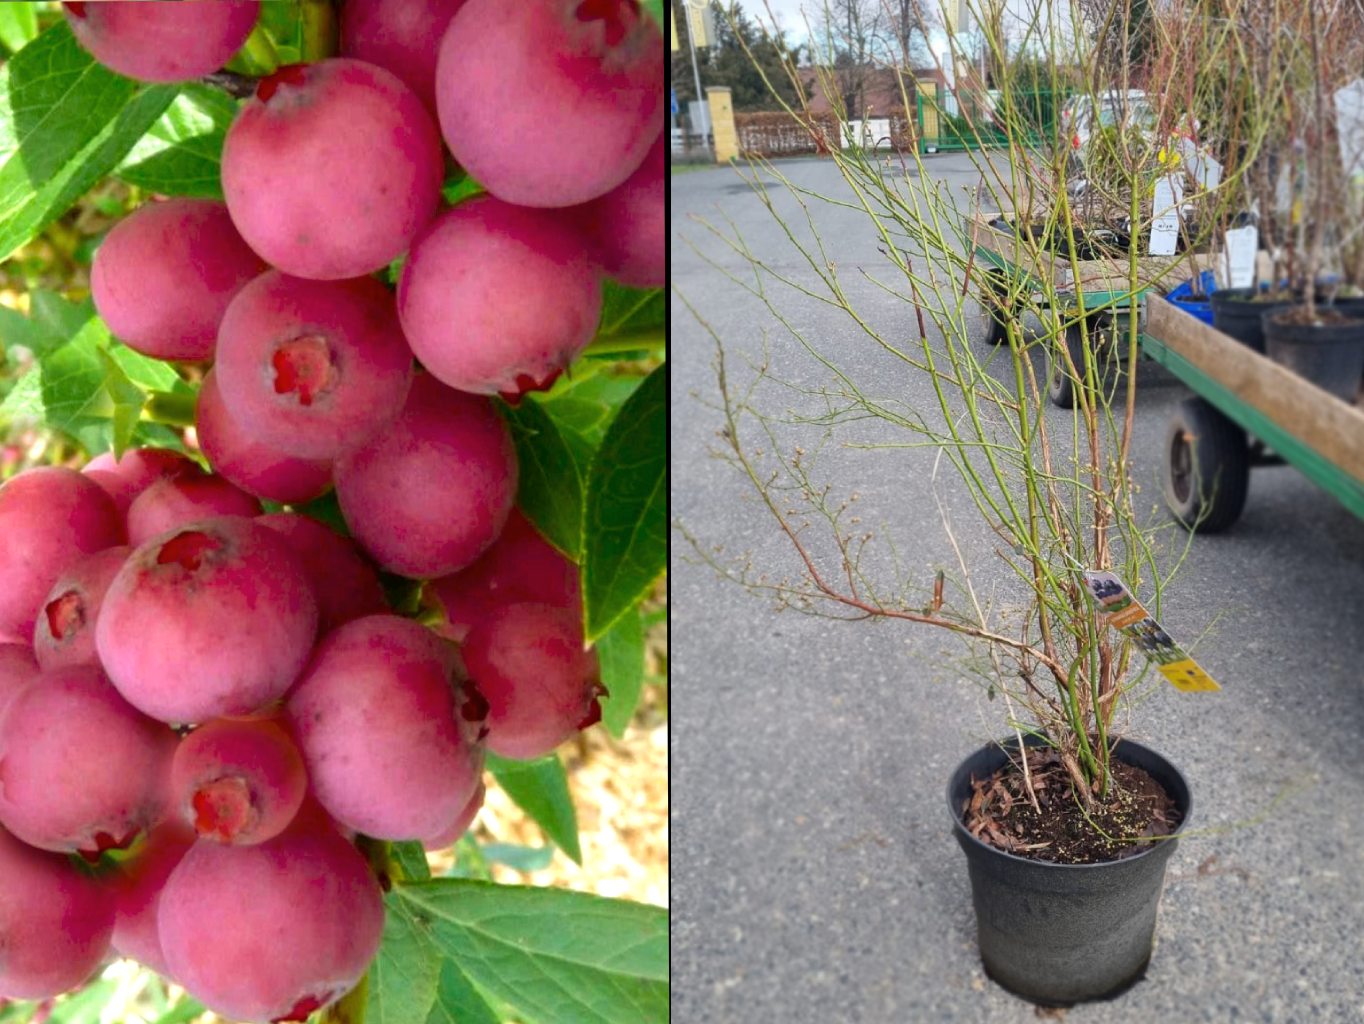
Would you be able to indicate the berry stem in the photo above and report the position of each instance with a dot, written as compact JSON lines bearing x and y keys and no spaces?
{"x":171,"y":408}
{"x":321,"y":34}
{"x":230,"y":82}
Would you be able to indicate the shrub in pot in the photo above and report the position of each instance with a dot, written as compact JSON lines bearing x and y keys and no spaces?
{"x":1324,"y":345}
{"x":1056,"y":494}
{"x":1303,"y":182}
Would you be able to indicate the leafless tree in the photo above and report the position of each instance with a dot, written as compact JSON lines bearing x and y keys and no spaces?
{"x":851,"y":38}
{"x":908,"y":23}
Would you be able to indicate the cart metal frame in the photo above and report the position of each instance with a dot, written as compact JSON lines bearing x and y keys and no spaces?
{"x":1246,"y":405}
{"x":1099,"y":293}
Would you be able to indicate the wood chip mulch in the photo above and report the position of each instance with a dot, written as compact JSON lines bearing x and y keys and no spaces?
{"x":999,"y":812}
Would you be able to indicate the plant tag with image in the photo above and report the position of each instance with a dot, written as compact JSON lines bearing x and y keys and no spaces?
{"x":1123,"y":612}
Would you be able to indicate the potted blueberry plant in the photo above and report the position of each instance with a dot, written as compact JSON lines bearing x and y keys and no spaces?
{"x":1066,"y":825}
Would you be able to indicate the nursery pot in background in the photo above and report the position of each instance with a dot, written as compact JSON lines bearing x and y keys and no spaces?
{"x":1059,"y":934}
{"x":1199,"y":305}
{"x":1329,"y":353}
{"x":1236,"y":312}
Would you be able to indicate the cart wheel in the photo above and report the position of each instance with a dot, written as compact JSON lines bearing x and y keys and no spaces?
{"x":994,"y":303}
{"x":1206,"y":469}
{"x":1060,"y":385}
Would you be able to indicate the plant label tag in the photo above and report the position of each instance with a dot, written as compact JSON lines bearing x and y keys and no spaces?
{"x":1350,"y":128}
{"x":1204,"y":168}
{"x":1119,"y":609}
{"x":1165,"y":227}
{"x":1238,"y":256}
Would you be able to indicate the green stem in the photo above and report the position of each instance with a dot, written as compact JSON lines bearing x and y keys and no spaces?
{"x":171,"y":408}
{"x":258,"y":53}
{"x":321,"y":37}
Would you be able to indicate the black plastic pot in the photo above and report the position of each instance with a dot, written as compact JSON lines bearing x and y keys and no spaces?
{"x":1330,"y":355}
{"x":1235,"y":314}
{"x":1060,"y":934}
{"x":1352,"y":307}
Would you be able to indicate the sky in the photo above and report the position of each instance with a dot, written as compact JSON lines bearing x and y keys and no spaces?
{"x":788,"y":13}
{"x":790,"y":18}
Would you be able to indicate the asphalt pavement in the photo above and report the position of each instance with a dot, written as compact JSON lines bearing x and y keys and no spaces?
{"x":814,"y":874}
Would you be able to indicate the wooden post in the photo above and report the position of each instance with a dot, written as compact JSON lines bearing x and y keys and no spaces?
{"x":722,"y":123}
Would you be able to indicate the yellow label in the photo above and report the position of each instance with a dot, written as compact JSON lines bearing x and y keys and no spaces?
{"x":1187,"y":676}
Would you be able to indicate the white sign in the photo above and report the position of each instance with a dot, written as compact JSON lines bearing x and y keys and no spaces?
{"x":1165,"y":227}
{"x":869,"y":133}
{"x":1350,"y":127}
{"x":1236,"y":264}
{"x":1204,"y":169}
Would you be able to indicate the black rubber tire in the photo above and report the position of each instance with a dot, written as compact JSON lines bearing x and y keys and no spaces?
{"x":995,"y":307}
{"x":1205,"y":470}
{"x":1060,"y":386}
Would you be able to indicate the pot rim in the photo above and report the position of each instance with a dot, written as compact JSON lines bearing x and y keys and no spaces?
{"x":1346,"y":322}
{"x":1032,"y":740}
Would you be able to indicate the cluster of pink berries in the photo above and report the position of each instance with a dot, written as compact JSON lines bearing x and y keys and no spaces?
{"x":220,"y":696}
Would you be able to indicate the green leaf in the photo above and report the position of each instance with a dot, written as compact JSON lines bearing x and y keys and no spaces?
{"x":148,"y":373}
{"x":625,"y":533}
{"x":57,"y":315}
{"x":460,"y":187}
{"x":93,"y":388}
{"x":458,"y":1001}
{"x":127,"y":399}
{"x":182,"y":153}
{"x":633,"y":323}
{"x":284,"y":23}
{"x":411,"y":861}
{"x":550,"y":491}
{"x":584,"y":410}
{"x":520,"y":858}
{"x":655,"y":10}
{"x":86,"y":1005}
{"x":25,"y":400}
{"x":73,"y":379}
{"x":620,"y":650}
{"x":65,"y":122}
{"x":631,"y":309}
{"x":183,"y":1012}
{"x":540,"y":788}
{"x":551,"y":955}
{"x":469,"y":860}
{"x":327,"y":509}
{"x":403,"y":978}
{"x":17,"y":329}
{"x":18,"y":25}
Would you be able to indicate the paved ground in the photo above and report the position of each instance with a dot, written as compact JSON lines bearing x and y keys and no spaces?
{"x":814,"y":874}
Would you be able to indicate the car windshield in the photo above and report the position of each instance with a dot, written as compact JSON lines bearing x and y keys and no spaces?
{"x":1138,"y":112}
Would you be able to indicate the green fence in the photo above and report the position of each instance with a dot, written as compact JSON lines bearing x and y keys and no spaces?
{"x":973,"y":120}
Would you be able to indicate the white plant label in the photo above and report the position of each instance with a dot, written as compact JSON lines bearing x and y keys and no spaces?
{"x":1236,"y":264}
{"x":1350,"y":127}
{"x":1165,"y":227}
{"x":1205,"y":170}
